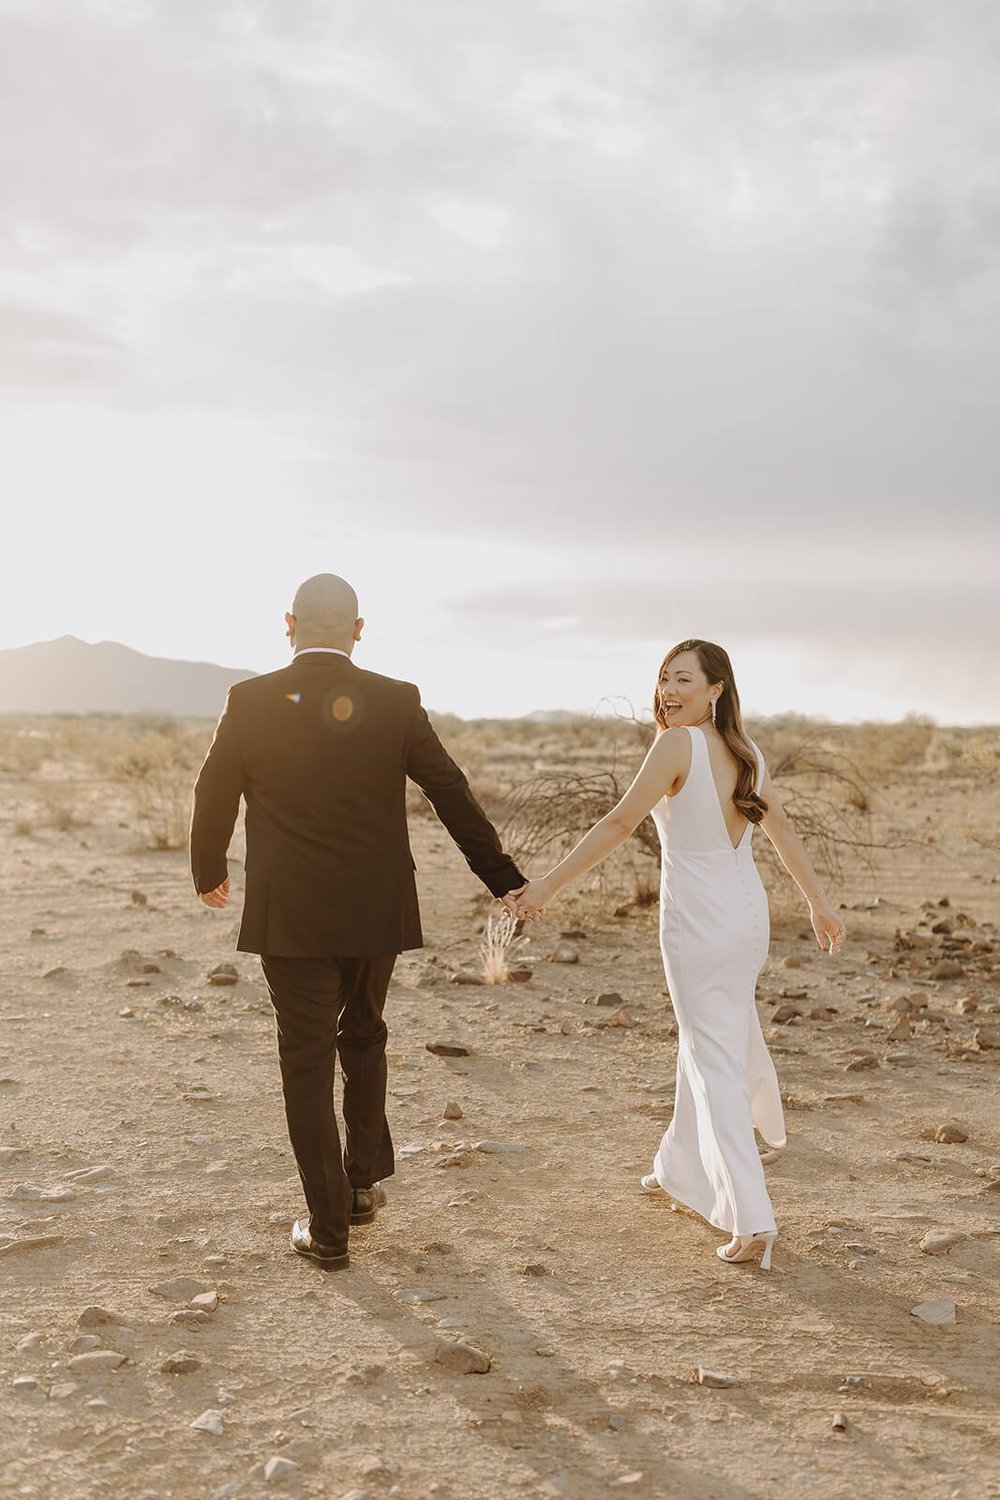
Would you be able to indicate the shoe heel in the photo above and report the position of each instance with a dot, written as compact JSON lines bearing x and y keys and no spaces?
{"x":765,"y":1260}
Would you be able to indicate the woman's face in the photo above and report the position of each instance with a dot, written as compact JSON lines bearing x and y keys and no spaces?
{"x":685,"y":692}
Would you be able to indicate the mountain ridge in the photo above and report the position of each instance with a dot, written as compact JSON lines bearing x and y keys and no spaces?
{"x":69,"y":675}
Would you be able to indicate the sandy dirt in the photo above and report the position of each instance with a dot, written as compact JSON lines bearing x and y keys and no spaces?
{"x":594,"y":1303}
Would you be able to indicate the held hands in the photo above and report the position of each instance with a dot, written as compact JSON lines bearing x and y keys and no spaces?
{"x":528,"y":904}
{"x":217,"y":898}
{"x":827,"y":925}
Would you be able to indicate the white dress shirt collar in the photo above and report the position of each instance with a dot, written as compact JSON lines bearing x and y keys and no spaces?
{"x":329,"y":650}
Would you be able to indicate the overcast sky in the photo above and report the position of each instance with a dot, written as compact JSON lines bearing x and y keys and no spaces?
{"x":564,"y":330}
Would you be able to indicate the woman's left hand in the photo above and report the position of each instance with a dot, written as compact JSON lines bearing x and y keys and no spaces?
{"x":828,"y":926}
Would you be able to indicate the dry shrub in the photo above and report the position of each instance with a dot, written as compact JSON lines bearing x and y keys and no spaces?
{"x":827,"y":796}
{"x":159,"y":770}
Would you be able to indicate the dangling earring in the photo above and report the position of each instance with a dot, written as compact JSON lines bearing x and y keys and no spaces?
{"x":713,"y":713}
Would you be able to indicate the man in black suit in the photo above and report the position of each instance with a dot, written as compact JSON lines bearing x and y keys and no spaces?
{"x":321,"y":751}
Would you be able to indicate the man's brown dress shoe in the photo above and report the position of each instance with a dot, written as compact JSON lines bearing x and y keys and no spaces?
{"x":327,"y":1256}
{"x":367,"y":1202}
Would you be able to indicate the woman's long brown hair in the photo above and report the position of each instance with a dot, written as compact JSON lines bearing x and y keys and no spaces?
{"x":717,"y":667}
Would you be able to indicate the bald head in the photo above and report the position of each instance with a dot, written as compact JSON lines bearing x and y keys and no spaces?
{"x":325,"y":613}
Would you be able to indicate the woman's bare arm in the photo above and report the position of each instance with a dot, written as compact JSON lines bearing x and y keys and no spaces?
{"x":664,"y":763}
{"x":790,"y":849}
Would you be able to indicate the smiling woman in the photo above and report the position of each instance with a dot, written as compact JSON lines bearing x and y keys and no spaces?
{"x":706,"y":785}
{"x":682,"y":689}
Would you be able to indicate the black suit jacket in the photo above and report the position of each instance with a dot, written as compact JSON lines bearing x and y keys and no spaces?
{"x":321,"y":751}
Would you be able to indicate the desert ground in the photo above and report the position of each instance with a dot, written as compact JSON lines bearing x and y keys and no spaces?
{"x":159,"y":1339}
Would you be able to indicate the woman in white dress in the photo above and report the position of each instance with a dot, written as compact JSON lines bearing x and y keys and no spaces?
{"x":706,"y":785}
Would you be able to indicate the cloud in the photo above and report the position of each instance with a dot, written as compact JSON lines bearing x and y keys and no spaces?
{"x":716,"y":283}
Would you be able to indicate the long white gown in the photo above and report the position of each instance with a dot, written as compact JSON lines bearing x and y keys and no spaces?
{"x":714,"y":933}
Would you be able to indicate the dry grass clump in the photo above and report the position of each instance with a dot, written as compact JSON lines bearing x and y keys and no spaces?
{"x":500,"y":943}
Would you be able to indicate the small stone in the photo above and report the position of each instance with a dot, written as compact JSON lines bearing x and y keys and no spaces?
{"x":30,"y":1341}
{"x":85,"y":1341}
{"x":839,"y":1423}
{"x":862,"y":1062}
{"x":207,"y":1301}
{"x":626,"y":1479}
{"x":564,"y":953}
{"x":520,"y":974}
{"x":419,"y":1294}
{"x":610,"y":999}
{"x":29,"y":1243}
{"x":453,"y":1111}
{"x":951,"y":1135}
{"x":356,"y":1495}
{"x":462,"y":1359}
{"x":278,"y":1469}
{"x":181,"y":1363}
{"x":373,"y":1467}
{"x":939,"y":1312}
{"x":301,"y":1450}
{"x":466,"y":976}
{"x":217,"y":1168}
{"x":511,"y":1417}
{"x":448,"y":1049}
{"x":62,"y":1390}
{"x":31,"y":1192}
{"x":24,"y":1385}
{"x":91,"y":1174}
{"x":210,"y":1421}
{"x":940,"y":1241}
{"x":194,"y":1318}
{"x":178,"y":1288}
{"x":496,"y":1148}
{"x":785,"y":1013}
{"x":223,"y":975}
{"x":95,"y":1362}
{"x":714,"y":1379}
{"x":988,"y":1038}
{"x":948,"y":968}
{"x":966,"y":1005}
{"x":535,"y":1268}
{"x":127,"y":1012}
{"x":902,"y":1031}
{"x":861,"y":1249}
{"x":901,"y":1059}
{"x":621,"y":1018}
{"x":99,"y":1317}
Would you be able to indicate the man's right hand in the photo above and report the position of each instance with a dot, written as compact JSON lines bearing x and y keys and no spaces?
{"x":217,"y":898}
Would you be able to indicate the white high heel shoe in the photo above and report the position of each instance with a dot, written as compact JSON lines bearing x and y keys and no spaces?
{"x":744,"y":1247}
{"x":649,"y":1184}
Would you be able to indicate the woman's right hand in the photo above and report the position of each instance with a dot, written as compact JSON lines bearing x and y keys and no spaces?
{"x":827,"y":924}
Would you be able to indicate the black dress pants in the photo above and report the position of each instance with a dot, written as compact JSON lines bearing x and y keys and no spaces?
{"x":328,"y":1008}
